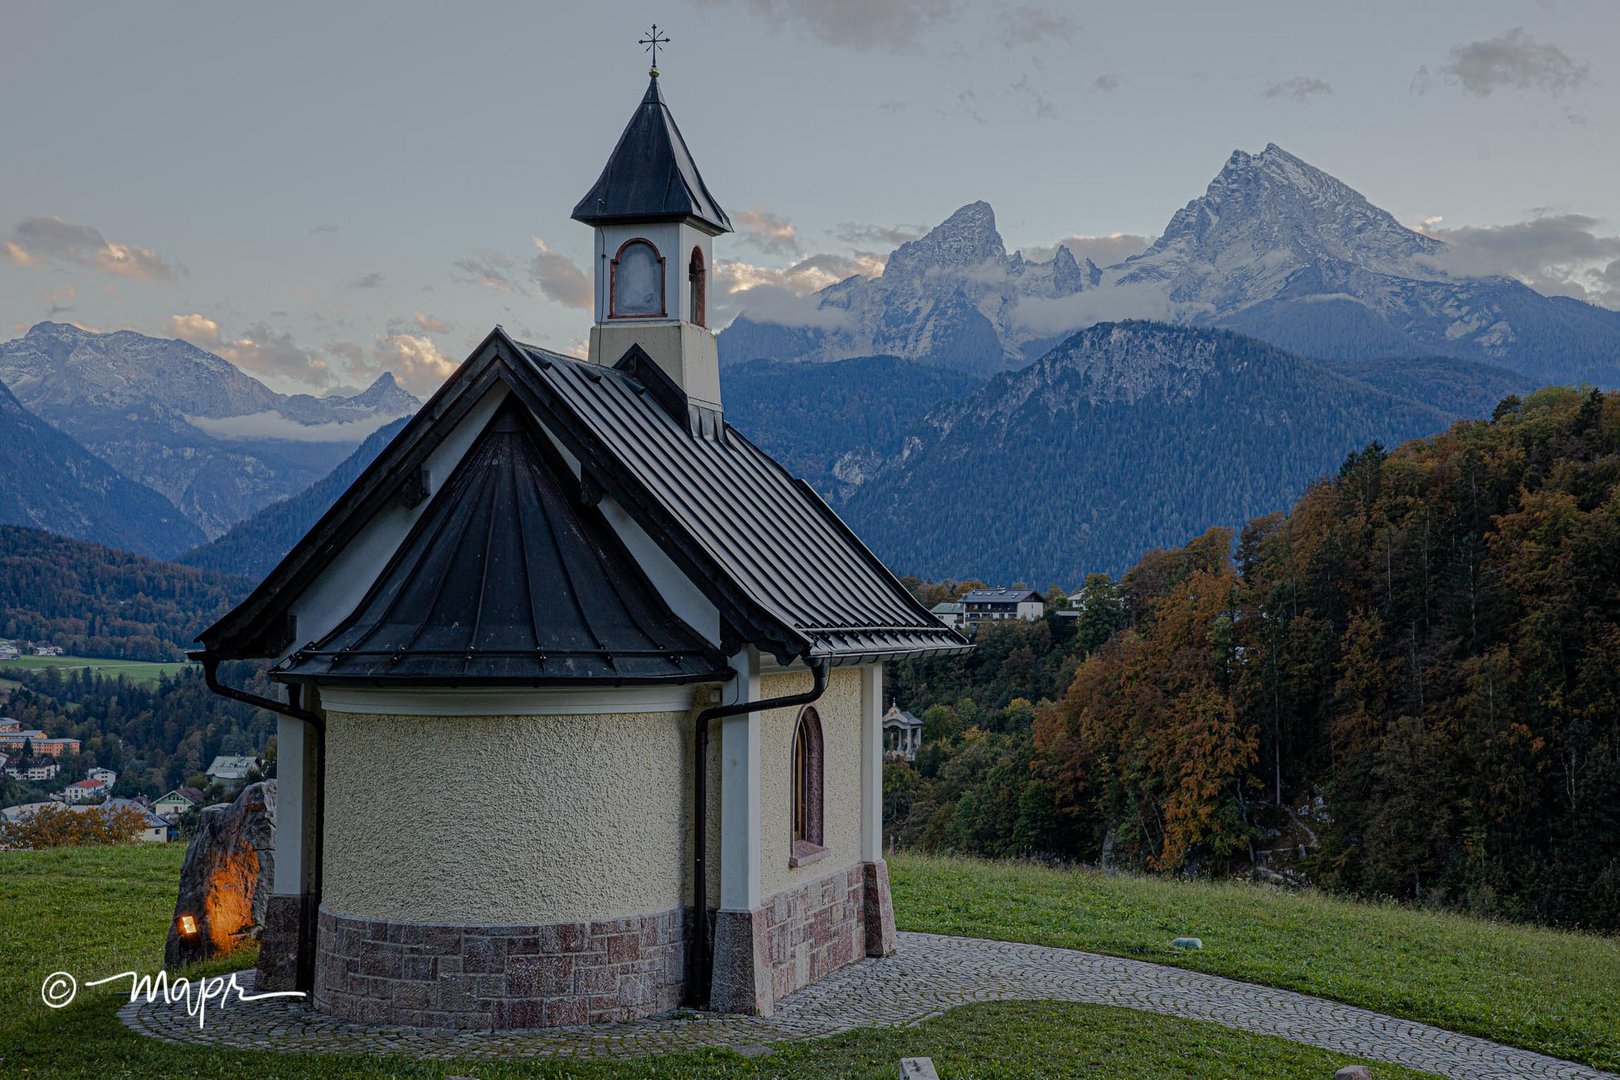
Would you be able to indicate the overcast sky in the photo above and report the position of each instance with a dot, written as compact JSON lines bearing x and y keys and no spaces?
{"x":320,"y":191}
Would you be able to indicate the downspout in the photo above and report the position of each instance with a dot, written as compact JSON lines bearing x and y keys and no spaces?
{"x":699,"y":964}
{"x":310,"y":916}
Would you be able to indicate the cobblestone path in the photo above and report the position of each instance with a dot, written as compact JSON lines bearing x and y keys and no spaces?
{"x":928,"y":976}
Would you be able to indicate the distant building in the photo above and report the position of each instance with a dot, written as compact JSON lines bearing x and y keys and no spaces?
{"x":155,"y":830}
{"x":999,"y":605}
{"x":8,"y":725}
{"x":953,"y":615}
{"x":8,"y":650}
{"x":227,"y":767}
{"x":177,"y":802}
{"x":43,"y":744}
{"x":902,"y":734}
{"x":47,"y":650}
{"x":35,"y":769}
{"x":84,"y":791}
{"x":103,"y":774}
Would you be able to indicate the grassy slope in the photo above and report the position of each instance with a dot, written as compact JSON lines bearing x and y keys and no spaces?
{"x":97,"y":911}
{"x":140,"y":671}
{"x":1558,"y":993}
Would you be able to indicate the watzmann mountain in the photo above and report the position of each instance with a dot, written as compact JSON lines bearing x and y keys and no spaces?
{"x":1274,"y":248}
{"x":216,"y":442}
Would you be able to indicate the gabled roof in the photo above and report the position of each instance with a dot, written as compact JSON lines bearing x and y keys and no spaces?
{"x":1002,"y":596}
{"x":508,"y":577}
{"x":785,"y":573}
{"x":651,"y":176}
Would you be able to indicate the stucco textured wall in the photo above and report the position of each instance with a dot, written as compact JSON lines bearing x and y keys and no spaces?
{"x":840,"y":710}
{"x":491,"y":820}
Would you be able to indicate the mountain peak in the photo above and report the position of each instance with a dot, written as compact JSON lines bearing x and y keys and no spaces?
{"x":966,"y":239}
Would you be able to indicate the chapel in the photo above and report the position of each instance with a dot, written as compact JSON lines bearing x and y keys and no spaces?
{"x":584,"y":690}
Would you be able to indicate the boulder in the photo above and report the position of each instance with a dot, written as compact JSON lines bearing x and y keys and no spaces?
{"x":1353,"y":1072}
{"x":225,"y":881}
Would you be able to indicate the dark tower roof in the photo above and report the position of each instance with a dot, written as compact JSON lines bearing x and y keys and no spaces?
{"x":651,"y":175}
{"x":510,"y":577}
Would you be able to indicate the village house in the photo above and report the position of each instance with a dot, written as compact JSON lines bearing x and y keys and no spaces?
{"x":177,"y":802}
{"x":35,"y":769}
{"x":9,"y":726}
{"x":106,"y":775}
{"x":84,"y":791}
{"x":902,"y":734}
{"x":9,"y":650}
{"x":572,"y":581}
{"x":952,"y":613}
{"x":154,"y":829}
{"x":42,"y":743}
{"x":228,"y":768}
{"x":998,"y":605}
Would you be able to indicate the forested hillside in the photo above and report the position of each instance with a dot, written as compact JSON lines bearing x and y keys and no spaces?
{"x":842,"y":417}
{"x":1413,"y":674}
{"x":99,"y":601}
{"x":253,"y":547}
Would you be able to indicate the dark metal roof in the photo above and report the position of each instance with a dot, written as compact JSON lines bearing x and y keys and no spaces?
{"x":784,"y":571}
{"x":508,"y":577}
{"x":651,"y":175}
{"x":1001,"y":596}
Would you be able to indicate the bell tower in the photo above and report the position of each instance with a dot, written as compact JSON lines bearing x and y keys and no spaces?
{"x":655,"y":223}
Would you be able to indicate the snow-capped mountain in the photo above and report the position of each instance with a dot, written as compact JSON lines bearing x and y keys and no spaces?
{"x":215,"y":441}
{"x":953,"y":297}
{"x":1275,"y":248}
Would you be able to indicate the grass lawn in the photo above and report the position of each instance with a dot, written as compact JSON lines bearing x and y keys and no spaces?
{"x":1558,"y":993}
{"x":94,"y":911}
{"x":141,"y":671}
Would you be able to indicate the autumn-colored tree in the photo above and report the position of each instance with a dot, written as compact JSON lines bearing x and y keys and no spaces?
{"x":57,"y":826}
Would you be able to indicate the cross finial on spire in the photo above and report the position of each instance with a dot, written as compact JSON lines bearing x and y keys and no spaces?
{"x":652,"y":41}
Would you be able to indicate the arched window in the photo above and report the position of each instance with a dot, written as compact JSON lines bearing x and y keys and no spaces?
{"x":637,"y":282}
{"x":696,"y":288}
{"x":807,"y":786}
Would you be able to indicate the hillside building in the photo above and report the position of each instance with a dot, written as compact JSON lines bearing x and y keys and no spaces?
{"x":902,"y":734}
{"x":574,"y":582}
{"x":999,"y":605}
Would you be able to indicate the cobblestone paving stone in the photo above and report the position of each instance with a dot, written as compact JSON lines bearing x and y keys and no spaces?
{"x":928,"y":976}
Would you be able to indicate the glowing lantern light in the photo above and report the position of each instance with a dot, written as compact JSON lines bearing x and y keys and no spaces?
{"x":187,"y":925}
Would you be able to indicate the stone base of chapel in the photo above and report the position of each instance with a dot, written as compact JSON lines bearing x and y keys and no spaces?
{"x":279,"y":937}
{"x":482,"y":977}
{"x":798,"y":936}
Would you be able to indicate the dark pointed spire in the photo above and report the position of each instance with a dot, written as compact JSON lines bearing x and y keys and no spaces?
{"x":651,"y":175}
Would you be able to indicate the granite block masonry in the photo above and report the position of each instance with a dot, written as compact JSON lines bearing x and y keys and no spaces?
{"x":480,"y":977}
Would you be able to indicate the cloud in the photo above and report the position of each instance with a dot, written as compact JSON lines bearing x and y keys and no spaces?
{"x":265,"y":351}
{"x":1299,"y":88}
{"x":785,"y":295}
{"x":1558,"y":254}
{"x":415,"y":361}
{"x":50,"y":238}
{"x":766,"y":230}
{"x":367,"y":281}
{"x":854,"y":232}
{"x":324,"y":229}
{"x":893,"y":106}
{"x":967,"y":103}
{"x":200,"y":330}
{"x":490,"y":269}
{"x":430,"y":324}
{"x":864,"y":25}
{"x":273,"y":425}
{"x":1026,"y":24}
{"x":1107,"y":83}
{"x":1041,"y":105}
{"x":58,"y":299}
{"x":559,"y":278}
{"x":1513,"y":61}
{"x":1055,"y":315}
